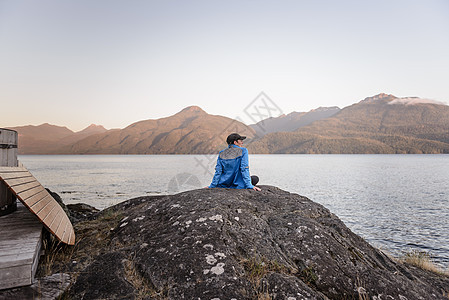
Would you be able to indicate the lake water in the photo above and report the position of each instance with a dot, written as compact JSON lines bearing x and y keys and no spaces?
{"x":396,"y":202}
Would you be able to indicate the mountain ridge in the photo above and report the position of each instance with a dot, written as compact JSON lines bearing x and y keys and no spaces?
{"x":191,"y":130}
{"x":293,"y":120}
{"x":372,"y":125}
{"x":379,"y":124}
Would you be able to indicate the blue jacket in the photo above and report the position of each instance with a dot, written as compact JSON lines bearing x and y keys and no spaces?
{"x":232,"y":169}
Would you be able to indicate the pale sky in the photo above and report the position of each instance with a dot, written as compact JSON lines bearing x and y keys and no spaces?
{"x":73,"y":63}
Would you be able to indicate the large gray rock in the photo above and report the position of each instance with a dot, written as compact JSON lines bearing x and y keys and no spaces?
{"x":242,"y":244}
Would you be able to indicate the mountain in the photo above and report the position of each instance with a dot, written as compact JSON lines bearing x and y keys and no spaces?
{"x":380,"y":124}
{"x":43,"y":132}
{"x":77,"y":136}
{"x":91,"y":129}
{"x":191,"y":131}
{"x":293,"y":121}
{"x":48,"y":139}
{"x":40,"y":139}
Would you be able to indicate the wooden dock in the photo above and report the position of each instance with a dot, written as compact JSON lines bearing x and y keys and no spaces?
{"x":20,"y":246}
{"x":21,"y":229}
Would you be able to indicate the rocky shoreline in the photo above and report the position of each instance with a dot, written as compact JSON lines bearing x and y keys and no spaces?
{"x":229,"y":244}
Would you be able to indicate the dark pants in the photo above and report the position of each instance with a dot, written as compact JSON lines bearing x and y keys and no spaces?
{"x":254,"y":179}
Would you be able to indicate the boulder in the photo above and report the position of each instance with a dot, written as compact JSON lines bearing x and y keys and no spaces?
{"x":241,"y":244}
{"x":81,"y":212}
{"x":76,"y":212}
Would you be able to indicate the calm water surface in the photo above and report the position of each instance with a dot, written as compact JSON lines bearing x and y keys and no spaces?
{"x":396,"y":202}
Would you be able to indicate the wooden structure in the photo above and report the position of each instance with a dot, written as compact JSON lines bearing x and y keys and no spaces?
{"x":20,"y":245}
{"x":21,"y":230}
{"x":36,"y":198}
{"x":8,"y":158}
{"x":8,"y":144}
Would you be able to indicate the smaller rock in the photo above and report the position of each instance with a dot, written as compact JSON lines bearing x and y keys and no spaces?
{"x":81,"y":212}
{"x":46,"y":288}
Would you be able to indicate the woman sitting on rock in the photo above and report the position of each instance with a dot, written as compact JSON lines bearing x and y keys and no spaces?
{"x":232,"y":169}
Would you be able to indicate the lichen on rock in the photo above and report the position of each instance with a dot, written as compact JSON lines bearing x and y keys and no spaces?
{"x":242,"y":244}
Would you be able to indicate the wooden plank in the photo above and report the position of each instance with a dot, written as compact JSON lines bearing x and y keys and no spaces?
{"x":37,"y":254}
{"x":13,"y":234}
{"x":13,"y":221}
{"x":15,"y":276}
{"x":48,"y":216}
{"x":12,"y":157}
{"x":5,"y":170}
{"x":25,"y":187}
{"x":16,"y":272}
{"x":21,"y":180}
{"x":8,"y":136}
{"x":10,"y":248}
{"x":33,"y":200}
{"x":7,"y":199}
{"x":6,"y":220}
{"x":14,"y":175}
{"x":14,"y":171}
{"x":24,"y":224}
{"x":14,"y":246}
{"x":71,"y":235}
{"x":18,"y":236}
{"x":56,"y":224}
{"x":43,"y":203}
{"x":65,"y":232}
{"x":13,"y":283}
{"x":15,"y":259}
{"x":8,"y":154}
{"x":29,"y":193}
{"x":62,"y":228}
{"x":47,"y":213}
{"x":17,"y":248}
{"x":21,"y":216}
{"x":21,"y":231}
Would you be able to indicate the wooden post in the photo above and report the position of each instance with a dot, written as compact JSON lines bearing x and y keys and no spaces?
{"x":8,"y":158}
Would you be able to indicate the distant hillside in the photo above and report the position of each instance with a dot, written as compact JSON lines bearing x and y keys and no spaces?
{"x":191,"y":131}
{"x":379,"y":124}
{"x":293,"y":121}
{"x":48,"y":139}
{"x":92,"y":129}
{"x":40,"y":139}
{"x":77,"y":136}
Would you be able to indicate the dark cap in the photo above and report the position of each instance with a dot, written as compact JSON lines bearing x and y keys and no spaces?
{"x":234,"y":137}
